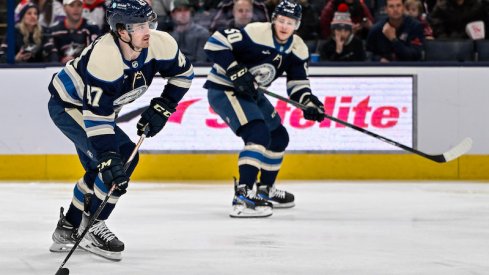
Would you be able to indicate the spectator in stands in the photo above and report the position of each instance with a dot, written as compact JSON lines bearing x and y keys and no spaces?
{"x":449,"y":17}
{"x":73,"y":34}
{"x":163,"y":8}
{"x":360,"y":16}
{"x":225,"y":13}
{"x":343,"y":44}
{"x":414,"y":8}
{"x":94,"y":13}
{"x":397,"y":38}
{"x":205,"y":11}
{"x":190,"y":37}
{"x":242,"y":14}
{"x":50,"y":11}
{"x":309,"y":29}
{"x":31,"y":44}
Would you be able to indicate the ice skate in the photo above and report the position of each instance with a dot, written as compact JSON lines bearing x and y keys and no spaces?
{"x":100,"y":240}
{"x":279,"y":198}
{"x":64,"y":236}
{"x":247,"y":205}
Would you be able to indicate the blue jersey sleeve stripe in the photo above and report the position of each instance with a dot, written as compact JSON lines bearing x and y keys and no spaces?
{"x":68,"y":84}
{"x":213,"y":40}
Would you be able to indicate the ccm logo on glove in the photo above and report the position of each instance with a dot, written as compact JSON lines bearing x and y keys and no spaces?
{"x":240,"y":73}
{"x":162,"y":110}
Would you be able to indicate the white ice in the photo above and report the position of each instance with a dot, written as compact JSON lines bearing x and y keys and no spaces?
{"x":336,"y":228}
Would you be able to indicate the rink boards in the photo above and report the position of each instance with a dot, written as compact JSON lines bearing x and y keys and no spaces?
{"x":223,"y":167}
{"x":429,"y":108}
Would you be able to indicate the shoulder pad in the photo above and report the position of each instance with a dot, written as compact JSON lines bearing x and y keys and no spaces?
{"x":299,"y":48}
{"x":105,"y":61}
{"x":260,"y":33}
{"x":162,"y":46}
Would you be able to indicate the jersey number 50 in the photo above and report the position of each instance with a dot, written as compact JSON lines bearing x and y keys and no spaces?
{"x":233,"y":35}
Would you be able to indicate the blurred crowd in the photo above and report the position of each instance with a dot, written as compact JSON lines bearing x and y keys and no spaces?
{"x":333,"y":30}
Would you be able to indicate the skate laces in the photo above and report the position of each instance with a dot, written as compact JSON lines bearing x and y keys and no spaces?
{"x":102,"y":231}
{"x":274,"y":192}
{"x":249,"y":193}
{"x":252,"y":195}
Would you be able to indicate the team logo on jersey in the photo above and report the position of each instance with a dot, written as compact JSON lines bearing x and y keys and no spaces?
{"x":138,"y":80}
{"x":135,"y":64}
{"x":139,"y":87}
{"x":264,"y":74}
{"x":130,"y":96}
{"x":279,"y":59}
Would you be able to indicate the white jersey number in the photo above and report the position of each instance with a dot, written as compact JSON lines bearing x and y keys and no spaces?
{"x":233,"y":35}
{"x":93,"y":95}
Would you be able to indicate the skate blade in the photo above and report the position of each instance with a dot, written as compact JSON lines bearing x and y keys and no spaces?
{"x":282,"y":205}
{"x":60,"y":247}
{"x":240,"y":211}
{"x":113,"y":256}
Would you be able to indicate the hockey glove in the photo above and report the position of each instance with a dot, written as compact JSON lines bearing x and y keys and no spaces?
{"x":156,"y":116}
{"x":112,"y":169}
{"x":243,"y":81}
{"x":315,"y":108}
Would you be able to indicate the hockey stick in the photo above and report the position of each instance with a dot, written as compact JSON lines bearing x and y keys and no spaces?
{"x":65,"y":271}
{"x":455,"y":152}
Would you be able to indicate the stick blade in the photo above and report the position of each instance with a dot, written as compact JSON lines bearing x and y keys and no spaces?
{"x":63,"y":271}
{"x":462,"y":148}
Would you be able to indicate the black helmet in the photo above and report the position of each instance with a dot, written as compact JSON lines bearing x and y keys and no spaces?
{"x":127,"y":12}
{"x":289,"y":9}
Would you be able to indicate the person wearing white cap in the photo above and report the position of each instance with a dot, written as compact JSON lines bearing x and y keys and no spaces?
{"x":74,"y":33}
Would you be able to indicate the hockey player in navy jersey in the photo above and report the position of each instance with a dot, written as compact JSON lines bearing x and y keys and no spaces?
{"x":86,"y":96}
{"x":244,"y":59}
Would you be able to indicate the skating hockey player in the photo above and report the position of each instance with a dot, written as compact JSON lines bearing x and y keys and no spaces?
{"x":86,"y":97}
{"x":244,"y":58}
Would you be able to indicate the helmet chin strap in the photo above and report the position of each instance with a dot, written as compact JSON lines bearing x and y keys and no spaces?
{"x":129,"y":42}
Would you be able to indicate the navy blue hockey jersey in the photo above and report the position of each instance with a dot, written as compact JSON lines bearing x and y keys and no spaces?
{"x":255,"y":47}
{"x":69,"y":42}
{"x":100,"y":81}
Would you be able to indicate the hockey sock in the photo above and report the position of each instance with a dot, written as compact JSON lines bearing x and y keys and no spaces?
{"x":101,"y":190}
{"x":82,"y":187}
{"x":270,"y":166}
{"x":249,"y":163}
{"x":273,"y":156}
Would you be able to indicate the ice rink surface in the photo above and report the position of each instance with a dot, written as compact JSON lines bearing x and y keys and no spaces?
{"x":336,"y":228}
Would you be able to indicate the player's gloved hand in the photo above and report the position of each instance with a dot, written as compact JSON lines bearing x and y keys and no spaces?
{"x":315,"y":108}
{"x":156,"y":116}
{"x":112,"y":169}
{"x":243,"y":81}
